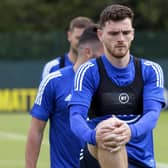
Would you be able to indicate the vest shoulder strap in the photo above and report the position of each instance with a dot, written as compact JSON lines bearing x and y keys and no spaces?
{"x":62,"y":61}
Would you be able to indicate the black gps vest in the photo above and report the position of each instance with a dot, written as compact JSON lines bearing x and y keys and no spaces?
{"x":118,"y":100}
{"x":62,"y":61}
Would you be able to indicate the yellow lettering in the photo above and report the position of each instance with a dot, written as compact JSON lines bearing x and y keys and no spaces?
{"x":23,"y":99}
{"x":32,"y":94}
{"x":17,"y":100}
{"x":4,"y":99}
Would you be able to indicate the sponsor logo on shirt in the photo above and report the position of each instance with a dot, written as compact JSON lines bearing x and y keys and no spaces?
{"x":68,"y":98}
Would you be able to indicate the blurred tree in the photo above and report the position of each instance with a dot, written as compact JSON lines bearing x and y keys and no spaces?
{"x":151,"y":14}
{"x":33,"y":29}
{"x":44,"y":15}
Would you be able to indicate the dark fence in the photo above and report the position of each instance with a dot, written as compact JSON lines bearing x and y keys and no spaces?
{"x":32,"y":45}
{"x":19,"y":83}
{"x":46,"y":45}
{"x":151,"y":44}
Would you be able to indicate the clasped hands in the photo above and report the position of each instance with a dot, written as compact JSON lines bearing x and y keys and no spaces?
{"x":112,"y":133}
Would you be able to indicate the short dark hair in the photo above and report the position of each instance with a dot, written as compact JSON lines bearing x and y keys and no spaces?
{"x":80,"y":22}
{"x":89,"y":35}
{"x":115,"y":12}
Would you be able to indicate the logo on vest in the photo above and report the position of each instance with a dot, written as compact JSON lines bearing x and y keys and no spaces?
{"x":123,"y":98}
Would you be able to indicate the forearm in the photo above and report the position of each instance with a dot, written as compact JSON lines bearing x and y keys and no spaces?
{"x":34,"y":140}
{"x":79,"y":125}
{"x":33,"y":149}
{"x":149,"y":119}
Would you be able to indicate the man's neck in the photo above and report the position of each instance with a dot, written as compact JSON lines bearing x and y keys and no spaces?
{"x":119,"y":62}
{"x":72,"y":56}
{"x":79,"y":62}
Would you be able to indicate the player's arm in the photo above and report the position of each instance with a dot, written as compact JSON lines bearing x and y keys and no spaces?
{"x":153,"y":99}
{"x":78,"y":116}
{"x":34,"y":139}
{"x":40,"y":112}
{"x":83,"y":89}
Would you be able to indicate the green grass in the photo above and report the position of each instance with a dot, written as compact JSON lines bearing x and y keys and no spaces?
{"x":161,"y":138}
{"x":13,"y":132}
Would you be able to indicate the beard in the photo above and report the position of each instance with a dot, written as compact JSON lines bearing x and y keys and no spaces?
{"x":117,"y":51}
{"x":75,"y":51}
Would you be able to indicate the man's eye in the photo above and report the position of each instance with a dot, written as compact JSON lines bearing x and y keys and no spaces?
{"x":114,"y":33}
{"x":126,"y":32}
{"x":117,"y":33}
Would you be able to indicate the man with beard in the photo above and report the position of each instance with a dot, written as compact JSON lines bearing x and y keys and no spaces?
{"x":124,"y":94}
{"x":76,"y":28}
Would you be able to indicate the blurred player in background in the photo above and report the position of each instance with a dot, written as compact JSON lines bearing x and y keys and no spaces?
{"x":126,"y":95}
{"x":76,"y":28}
{"x":51,"y":104}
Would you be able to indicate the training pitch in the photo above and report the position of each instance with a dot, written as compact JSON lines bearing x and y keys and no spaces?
{"x":13,"y":132}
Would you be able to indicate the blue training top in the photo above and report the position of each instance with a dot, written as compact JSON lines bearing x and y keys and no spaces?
{"x":54,"y":65}
{"x":140,"y":147}
{"x":51,"y":104}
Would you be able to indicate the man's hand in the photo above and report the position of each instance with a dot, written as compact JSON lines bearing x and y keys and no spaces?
{"x":112,"y":133}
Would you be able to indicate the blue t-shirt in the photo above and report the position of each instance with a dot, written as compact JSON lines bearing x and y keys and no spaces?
{"x":140,"y":147}
{"x":51,"y":104}
{"x":54,"y":65}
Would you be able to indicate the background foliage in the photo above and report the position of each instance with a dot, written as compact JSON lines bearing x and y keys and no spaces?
{"x":35,"y":29}
{"x":41,"y":15}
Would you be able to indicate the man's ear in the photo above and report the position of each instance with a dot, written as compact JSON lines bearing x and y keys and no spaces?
{"x":99,"y":34}
{"x":133,"y":34}
{"x":69,"y":36}
{"x":87,"y":52}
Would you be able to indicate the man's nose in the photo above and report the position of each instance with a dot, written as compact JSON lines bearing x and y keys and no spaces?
{"x":120,"y":36}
